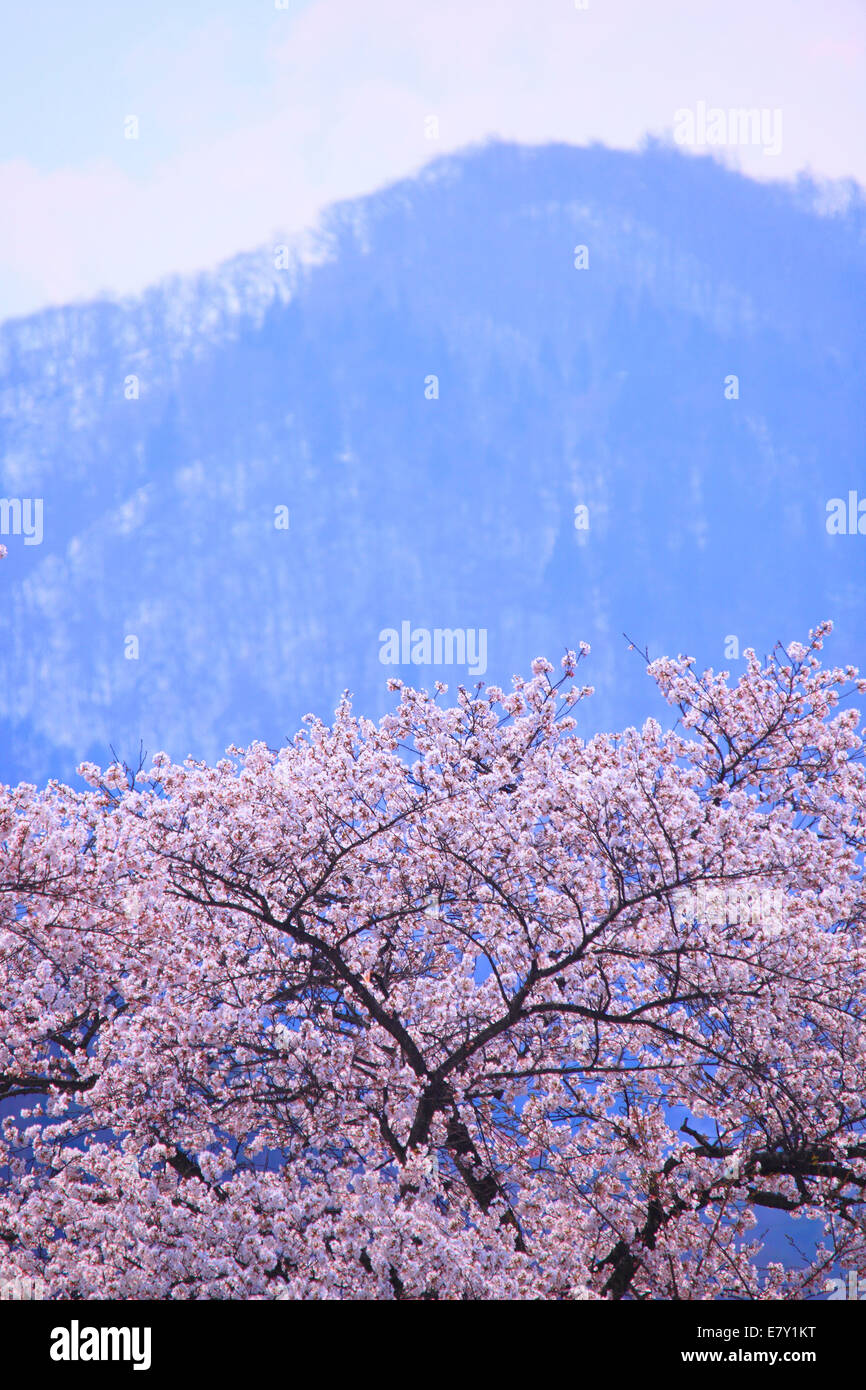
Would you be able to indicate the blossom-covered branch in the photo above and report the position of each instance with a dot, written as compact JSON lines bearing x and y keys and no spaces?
{"x":415,"y":1010}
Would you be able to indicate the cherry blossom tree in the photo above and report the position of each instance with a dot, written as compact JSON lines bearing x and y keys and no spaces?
{"x":433,"y":1008}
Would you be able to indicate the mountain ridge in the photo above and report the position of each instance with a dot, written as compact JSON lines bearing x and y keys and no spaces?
{"x":308,"y":388}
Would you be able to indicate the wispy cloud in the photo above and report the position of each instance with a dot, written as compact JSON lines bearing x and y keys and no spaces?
{"x":257,"y":119}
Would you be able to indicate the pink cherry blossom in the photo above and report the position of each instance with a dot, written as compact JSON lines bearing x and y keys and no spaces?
{"x":413,"y":1010}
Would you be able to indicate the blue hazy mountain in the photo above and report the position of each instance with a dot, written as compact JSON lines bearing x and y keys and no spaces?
{"x":164,"y":433}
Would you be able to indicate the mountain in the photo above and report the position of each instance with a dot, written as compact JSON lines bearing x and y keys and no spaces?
{"x":163,"y":433}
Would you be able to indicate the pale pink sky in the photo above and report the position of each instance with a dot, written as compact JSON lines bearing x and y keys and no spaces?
{"x":333,"y":100}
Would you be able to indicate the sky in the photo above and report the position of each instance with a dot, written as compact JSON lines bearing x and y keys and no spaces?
{"x":254,"y":115}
